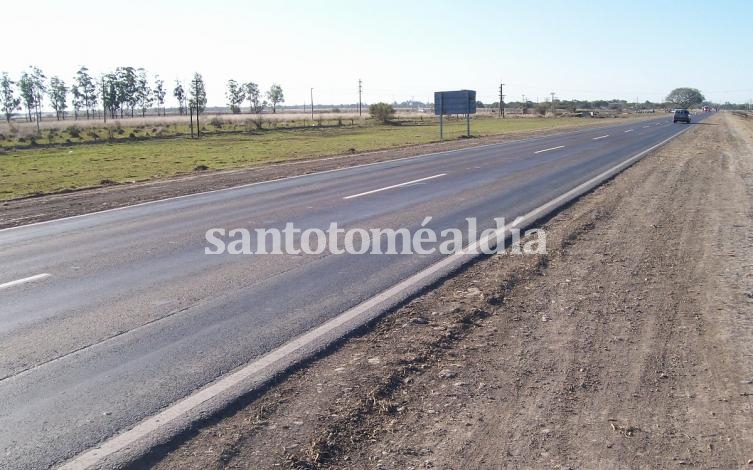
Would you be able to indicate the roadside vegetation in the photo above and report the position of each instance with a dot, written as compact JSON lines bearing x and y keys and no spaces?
{"x":115,"y":128}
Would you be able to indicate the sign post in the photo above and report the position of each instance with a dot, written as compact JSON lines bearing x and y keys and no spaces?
{"x":441,"y":106}
{"x":455,"y":102}
{"x":468,"y":119}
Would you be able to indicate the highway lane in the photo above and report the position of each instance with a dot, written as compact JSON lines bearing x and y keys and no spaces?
{"x":131,"y":315}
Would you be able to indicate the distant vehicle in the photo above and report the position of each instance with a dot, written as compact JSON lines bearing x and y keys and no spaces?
{"x":682,"y":115}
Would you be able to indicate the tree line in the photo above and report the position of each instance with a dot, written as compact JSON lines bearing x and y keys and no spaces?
{"x":237,"y":93}
{"x":122,"y":92}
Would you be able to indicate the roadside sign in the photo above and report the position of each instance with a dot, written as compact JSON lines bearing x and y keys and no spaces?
{"x":455,"y":102}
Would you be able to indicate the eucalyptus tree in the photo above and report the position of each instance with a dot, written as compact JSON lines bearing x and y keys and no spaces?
{"x":144,"y":96}
{"x":159,"y":94}
{"x":58,"y":93}
{"x":26,"y":88}
{"x":180,"y":94}
{"x":10,"y":102}
{"x":85,"y":91}
{"x":275,"y":96}
{"x":236,"y":95}
{"x":197,"y":98}
{"x":253,"y":95}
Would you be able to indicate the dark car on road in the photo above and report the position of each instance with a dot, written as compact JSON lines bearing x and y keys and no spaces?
{"x":682,"y":115}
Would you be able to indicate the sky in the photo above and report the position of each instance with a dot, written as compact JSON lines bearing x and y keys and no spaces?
{"x":400,"y":49}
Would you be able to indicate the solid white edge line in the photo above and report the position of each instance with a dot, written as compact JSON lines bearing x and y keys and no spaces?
{"x":121,"y":442}
{"x":335,"y":157}
{"x":601,"y":137}
{"x":553,"y":148}
{"x":629,"y":130}
{"x":17,"y":282}
{"x":399,"y":185}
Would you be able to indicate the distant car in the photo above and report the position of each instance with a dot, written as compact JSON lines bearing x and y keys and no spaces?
{"x":682,"y":115}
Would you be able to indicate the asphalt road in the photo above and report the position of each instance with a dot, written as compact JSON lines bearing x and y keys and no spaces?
{"x":109,"y":317}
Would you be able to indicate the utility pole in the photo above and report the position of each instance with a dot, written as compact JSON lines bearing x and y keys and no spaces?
{"x":312,"y":106}
{"x":359,"y":97}
{"x":501,"y":100}
{"x":196,"y":91}
{"x":525,"y":104}
{"x":104,"y":100}
{"x":554,"y":113}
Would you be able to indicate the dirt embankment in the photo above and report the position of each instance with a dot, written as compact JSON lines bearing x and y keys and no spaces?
{"x":629,"y":345}
{"x":36,"y":209}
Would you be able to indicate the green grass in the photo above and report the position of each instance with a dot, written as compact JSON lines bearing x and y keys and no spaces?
{"x":49,"y":170}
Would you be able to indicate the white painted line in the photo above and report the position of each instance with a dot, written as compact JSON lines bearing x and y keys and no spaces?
{"x":553,"y":148}
{"x":601,"y":137}
{"x":629,"y":130}
{"x":646,"y":127}
{"x":430,"y":155}
{"x":128,"y":441}
{"x":24,"y":280}
{"x":394,"y":186}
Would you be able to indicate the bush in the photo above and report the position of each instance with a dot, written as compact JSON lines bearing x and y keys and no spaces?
{"x":74,"y":131}
{"x":217,"y":122}
{"x":382,"y":112}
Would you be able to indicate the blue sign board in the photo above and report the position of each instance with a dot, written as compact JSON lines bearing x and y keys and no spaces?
{"x":455,"y":102}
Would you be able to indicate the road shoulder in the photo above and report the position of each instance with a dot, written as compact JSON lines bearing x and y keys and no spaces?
{"x":628,"y":345}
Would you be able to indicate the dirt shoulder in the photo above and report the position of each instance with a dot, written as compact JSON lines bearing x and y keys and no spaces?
{"x":36,"y":209}
{"x":629,"y":345}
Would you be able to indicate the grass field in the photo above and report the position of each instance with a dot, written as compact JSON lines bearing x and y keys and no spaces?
{"x":55,"y":169}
